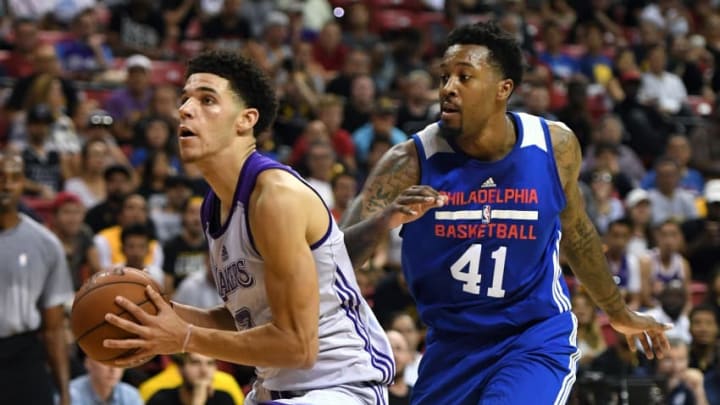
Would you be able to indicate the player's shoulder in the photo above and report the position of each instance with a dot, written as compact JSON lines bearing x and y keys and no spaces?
{"x":560,"y":134}
{"x":282,"y":191}
{"x":565,"y":144}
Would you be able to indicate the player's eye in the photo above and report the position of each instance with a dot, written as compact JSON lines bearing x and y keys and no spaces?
{"x":464,"y":78}
{"x":444,"y":79}
{"x":208,"y":100}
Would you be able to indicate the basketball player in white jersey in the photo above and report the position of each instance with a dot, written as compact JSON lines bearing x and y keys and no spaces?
{"x":292,"y":307}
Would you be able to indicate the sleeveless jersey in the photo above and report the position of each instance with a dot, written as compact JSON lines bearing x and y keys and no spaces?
{"x":666,"y":274}
{"x":353,"y":347}
{"x":487,"y":263}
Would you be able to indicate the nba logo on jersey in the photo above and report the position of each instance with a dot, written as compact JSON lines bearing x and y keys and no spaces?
{"x":224,"y":253}
{"x":486,"y":214}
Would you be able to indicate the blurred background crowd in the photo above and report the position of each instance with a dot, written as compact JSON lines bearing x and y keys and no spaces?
{"x":89,"y":94}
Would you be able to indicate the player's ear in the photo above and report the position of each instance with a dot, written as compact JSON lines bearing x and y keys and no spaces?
{"x":246,"y":120}
{"x":505,"y":89}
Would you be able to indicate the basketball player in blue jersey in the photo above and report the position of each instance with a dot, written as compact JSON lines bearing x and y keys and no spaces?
{"x":292,"y":307}
{"x":488,"y":198}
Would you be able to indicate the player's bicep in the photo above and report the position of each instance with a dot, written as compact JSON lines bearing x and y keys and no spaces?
{"x":568,"y":158}
{"x":397,"y":169}
{"x":279,"y":221}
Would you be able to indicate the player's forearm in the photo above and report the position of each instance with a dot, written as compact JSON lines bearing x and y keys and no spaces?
{"x":262,"y":346}
{"x":363,"y":236}
{"x":58,"y":359}
{"x":214,"y":318}
{"x":583,"y":250}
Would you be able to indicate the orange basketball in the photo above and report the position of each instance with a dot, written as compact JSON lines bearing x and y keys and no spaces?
{"x":96,"y":298}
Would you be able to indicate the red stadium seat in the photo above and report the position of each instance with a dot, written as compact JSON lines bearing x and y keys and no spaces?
{"x":167,"y":72}
{"x":397,"y":4}
{"x":698,"y":291}
{"x":390,"y":19}
{"x":53,"y":37}
{"x":607,"y":331}
{"x":99,"y":95}
{"x":699,"y":106}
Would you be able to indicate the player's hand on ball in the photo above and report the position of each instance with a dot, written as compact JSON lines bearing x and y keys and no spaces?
{"x":644,"y":328}
{"x":413,"y":203}
{"x":163,"y":333}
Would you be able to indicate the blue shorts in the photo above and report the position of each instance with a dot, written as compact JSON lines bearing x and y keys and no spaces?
{"x":535,"y":367}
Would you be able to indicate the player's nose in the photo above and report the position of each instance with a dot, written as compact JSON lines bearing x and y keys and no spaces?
{"x":186,"y":109}
{"x":448,"y":88}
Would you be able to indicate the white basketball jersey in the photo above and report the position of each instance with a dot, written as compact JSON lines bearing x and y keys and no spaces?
{"x":352,"y":345}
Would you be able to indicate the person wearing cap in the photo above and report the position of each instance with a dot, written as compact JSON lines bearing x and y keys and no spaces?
{"x":703,"y":235}
{"x":273,"y":50}
{"x":75,"y":237}
{"x":127,"y":104}
{"x":637,"y":207}
{"x":382,"y":124}
{"x":45,"y":168}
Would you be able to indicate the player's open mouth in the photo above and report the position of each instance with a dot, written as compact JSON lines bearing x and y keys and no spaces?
{"x":184,"y":132}
{"x":449,"y":110}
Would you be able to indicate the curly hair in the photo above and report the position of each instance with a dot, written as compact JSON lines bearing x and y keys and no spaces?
{"x":246,"y":80}
{"x":505,"y":53}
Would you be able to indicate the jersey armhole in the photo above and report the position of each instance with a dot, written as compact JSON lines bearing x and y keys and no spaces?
{"x":420,"y":151}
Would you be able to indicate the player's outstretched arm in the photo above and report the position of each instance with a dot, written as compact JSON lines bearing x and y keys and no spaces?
{"x":583,"y":248}
{"x":283,"y":215}
{"x":389,"y":198}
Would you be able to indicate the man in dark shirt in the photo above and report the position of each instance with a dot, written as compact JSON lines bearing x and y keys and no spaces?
{"x":43,"y":166}
{"x":118,"y":183}
{"x":185,"y":254}
{"x":703,"y":235}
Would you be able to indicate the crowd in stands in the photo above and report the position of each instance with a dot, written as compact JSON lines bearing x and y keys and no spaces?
{"x":90,"y":91}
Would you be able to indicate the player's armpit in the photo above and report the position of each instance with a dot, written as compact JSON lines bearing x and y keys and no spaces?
{"x":580,"y":241}
{"x":363,"y":223}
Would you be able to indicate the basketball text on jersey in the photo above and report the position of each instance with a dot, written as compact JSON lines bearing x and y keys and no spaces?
{"x":486,"y":228}
{"x":231,"y":277}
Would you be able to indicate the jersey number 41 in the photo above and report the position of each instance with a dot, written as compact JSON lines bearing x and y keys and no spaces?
{"x":471,"y":277}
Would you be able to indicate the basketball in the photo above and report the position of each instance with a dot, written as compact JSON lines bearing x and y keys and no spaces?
{"x":96,"y":298}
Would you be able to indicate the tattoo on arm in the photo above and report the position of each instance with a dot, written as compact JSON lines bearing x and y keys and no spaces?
{"x":363,"y":224}
{"x":581,"y":243}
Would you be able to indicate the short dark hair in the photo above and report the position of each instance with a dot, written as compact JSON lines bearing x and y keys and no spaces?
{"x":703,"y":307}
{"x":604,"y":147}
{"x":117,"y":168}
{"x":246,"y":80}
{"x":136,"y":230}
{"x":505,"y":51}
{"x":624,"y":221}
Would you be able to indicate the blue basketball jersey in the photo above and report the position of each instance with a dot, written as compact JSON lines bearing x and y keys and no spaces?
{"x":487,"y":263}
